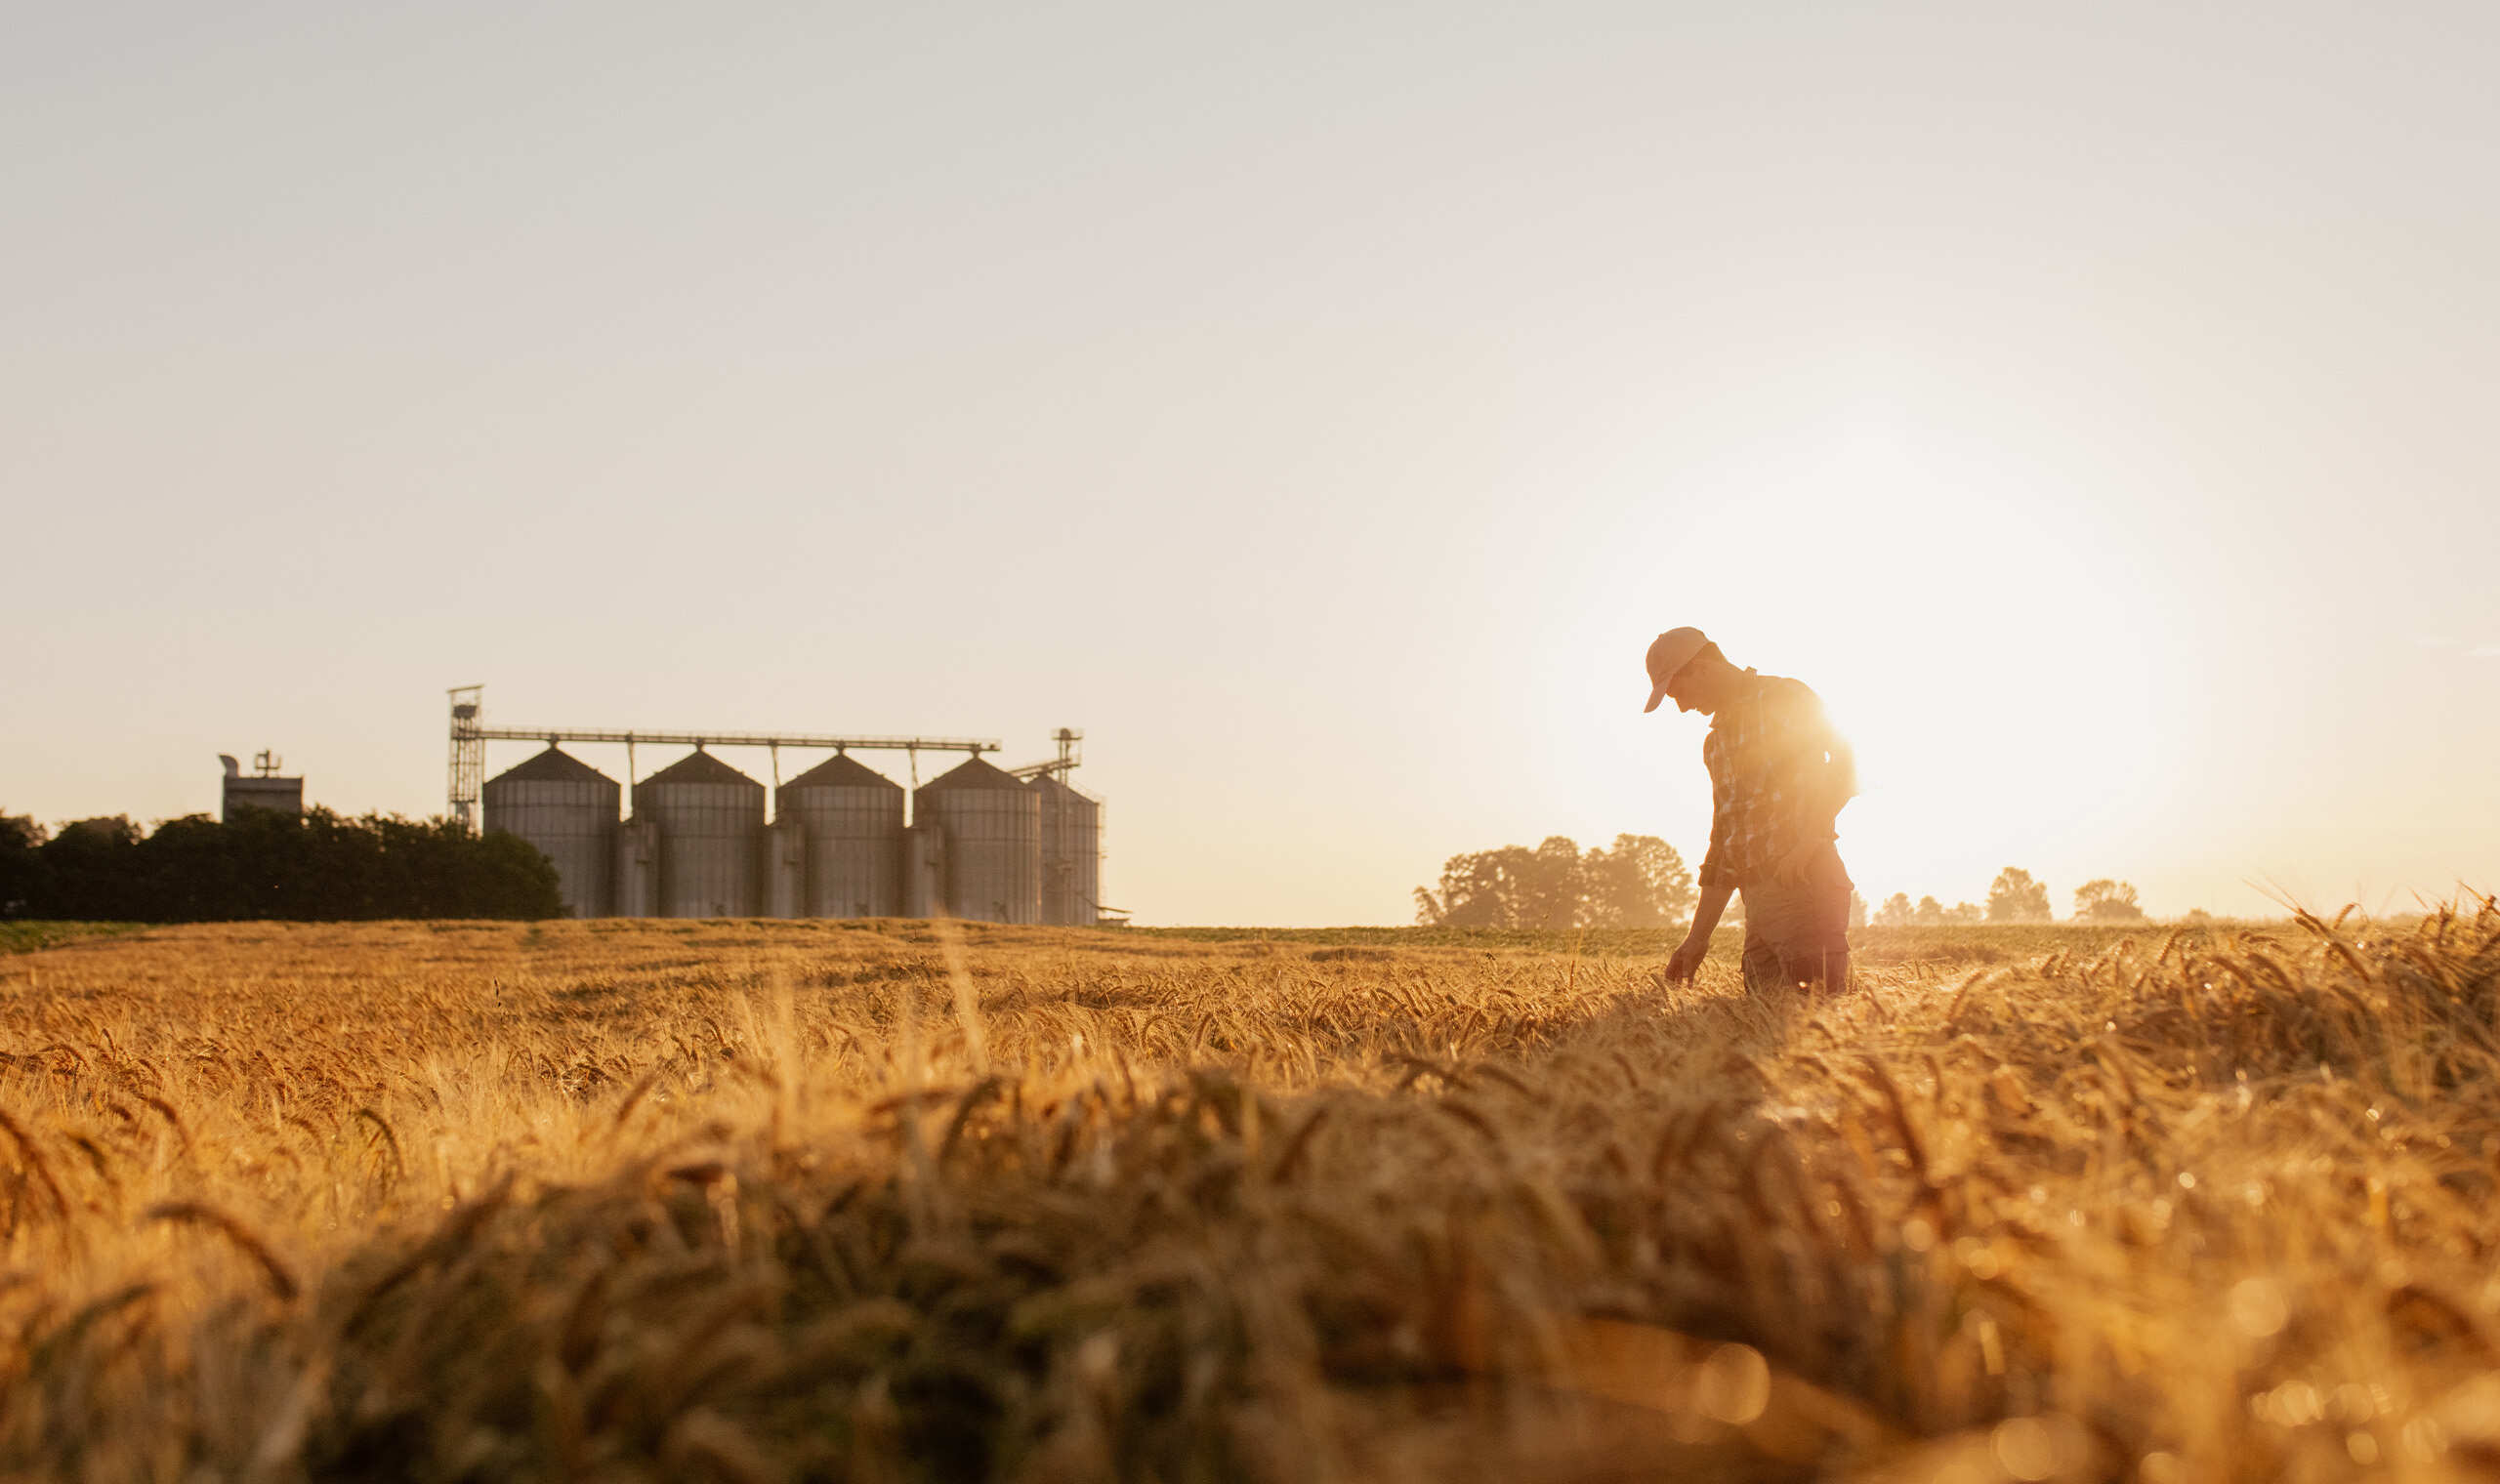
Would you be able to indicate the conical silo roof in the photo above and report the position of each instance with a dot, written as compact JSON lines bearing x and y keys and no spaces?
{"x":974,"y":773}
{"x":554,"y":766}
{"x":841,"y":772}
{"x":1045,"y":785}
{"x":698,"y":767}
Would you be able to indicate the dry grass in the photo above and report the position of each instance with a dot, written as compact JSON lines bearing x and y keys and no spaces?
{"x":753,"y":1201}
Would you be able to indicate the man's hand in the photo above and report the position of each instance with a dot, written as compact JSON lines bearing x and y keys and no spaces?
{"x":1687,"y":957}
{"x":1686,"y":960}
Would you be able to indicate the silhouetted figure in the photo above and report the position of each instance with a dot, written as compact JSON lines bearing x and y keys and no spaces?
{"x":1778,"y":777}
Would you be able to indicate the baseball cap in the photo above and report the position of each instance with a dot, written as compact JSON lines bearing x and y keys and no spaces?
{"x":1670,"y":653}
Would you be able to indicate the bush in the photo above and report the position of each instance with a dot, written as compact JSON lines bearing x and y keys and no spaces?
{"x":316,"y":867}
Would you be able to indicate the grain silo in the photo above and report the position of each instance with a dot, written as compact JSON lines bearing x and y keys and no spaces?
{"x":785,"y":869}
{"x":568,"y":809}
{"x":710,"y":818}
{"x":924,"y":870}
{"x":637,"y":880}
{"x":853,"y":816}
{"x":1071,"y":824}
{"x":992,"y":826}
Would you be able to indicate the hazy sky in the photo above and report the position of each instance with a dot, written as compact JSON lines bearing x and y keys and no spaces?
{"x":1321,"y":405}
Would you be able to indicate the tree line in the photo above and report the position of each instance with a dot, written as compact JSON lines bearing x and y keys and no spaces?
{"x":1638,"y":882}
{"x":265,"y":865}
{"x":2015,"y":896}
{"x":1641,"y":882}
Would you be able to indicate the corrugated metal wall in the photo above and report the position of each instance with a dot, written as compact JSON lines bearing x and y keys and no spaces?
{"x":636,"y":882}
{"x":994,"y":829}
{"x":1071,"y":824}
{"x":710,"y":818}
{"x":854,"y":822}
{"x":785,"y":870}
{"x":924,"y":871}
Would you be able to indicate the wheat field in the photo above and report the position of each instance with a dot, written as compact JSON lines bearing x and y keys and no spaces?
{"x":786,"y":1201}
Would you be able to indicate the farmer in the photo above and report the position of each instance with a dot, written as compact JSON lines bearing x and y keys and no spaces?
{"x":1778,"y":776}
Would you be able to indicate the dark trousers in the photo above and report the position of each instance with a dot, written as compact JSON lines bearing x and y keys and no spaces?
{"x":1797,"y":934}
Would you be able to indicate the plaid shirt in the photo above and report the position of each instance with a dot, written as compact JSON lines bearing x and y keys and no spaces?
{"x":1777,"y":772}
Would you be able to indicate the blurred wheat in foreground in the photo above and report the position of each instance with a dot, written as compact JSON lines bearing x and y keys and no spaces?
{"x":753,"y":1201}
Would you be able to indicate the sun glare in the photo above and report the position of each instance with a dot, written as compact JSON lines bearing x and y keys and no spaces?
{"x":1991,"y":656}
{"x":1979,"y":643}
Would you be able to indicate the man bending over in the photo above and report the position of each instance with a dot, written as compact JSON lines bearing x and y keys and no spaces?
{"x":1778,"y":777}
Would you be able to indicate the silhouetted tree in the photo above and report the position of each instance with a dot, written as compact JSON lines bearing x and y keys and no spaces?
{"x":1640,"y":881}
{"x":2108,"y":901}
{"x":2015,"y":897}
{"x":1551,"y":895}
{"x":23,"y":876}
{"x":93,"y":869}
{"x":1487,"y":889}
{"x":1930,"y":912}
{"x":1965,"y":912}
{"x":1895,"y":911}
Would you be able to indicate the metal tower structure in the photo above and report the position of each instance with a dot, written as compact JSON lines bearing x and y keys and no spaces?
{"x":470,"y":735}
{"x":468,"y":754}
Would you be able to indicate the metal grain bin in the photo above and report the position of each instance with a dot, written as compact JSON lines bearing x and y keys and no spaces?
{"x":924,"y":870}
{"x":853,"y":816}
{"x":568,"y":809}
{"x":1072,"y":853}
{"x":711,"y":822}
{"x":785,"y":869}
{"x":993,"y":830}
{"x":638,"y":869}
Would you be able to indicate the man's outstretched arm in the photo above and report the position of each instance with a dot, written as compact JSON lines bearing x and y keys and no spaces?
{"x":1687,"y":957}
{"x":1718,"y":884}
